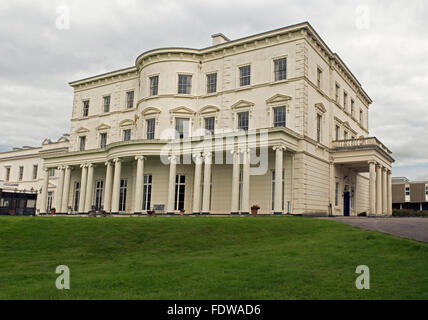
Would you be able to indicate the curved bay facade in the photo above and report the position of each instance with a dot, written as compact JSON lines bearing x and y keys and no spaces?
{"x":274,"y":119}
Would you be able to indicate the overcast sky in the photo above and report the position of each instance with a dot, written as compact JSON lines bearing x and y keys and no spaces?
{"x":384,"y":43}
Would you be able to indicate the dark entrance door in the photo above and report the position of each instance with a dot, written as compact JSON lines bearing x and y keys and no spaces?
{"x":346,"y":203}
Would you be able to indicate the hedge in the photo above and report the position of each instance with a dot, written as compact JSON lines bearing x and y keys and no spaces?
{"x":409,"y":213}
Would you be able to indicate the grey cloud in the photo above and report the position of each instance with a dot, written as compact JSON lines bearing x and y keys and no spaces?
{"x":37,"y":60}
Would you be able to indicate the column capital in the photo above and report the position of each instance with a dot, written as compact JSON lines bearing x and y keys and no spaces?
{"x":197,"y":157}
{"x":117,"y":160}
{"x":91,"y":165}
{"x":385,"y":169}
{"x":172,"y":158}
{"x":140,"y":158}
{"x":207,"y":154}
{"x":373,"y":162}
{"x":279,"y":147}
{"x":84,"y":165}
{"x":67,"y":167}
{"x":108,"y":163}
{"x":234,"y":151}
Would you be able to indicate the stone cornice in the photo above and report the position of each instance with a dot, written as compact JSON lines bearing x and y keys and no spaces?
{"x":290,"y":33}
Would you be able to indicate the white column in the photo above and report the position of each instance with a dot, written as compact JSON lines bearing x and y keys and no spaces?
{"x":389,"y":179}
{"x":378,"y":189}
{"x":108,"y":186}
{"x":234,"y":208}
{"x":245,"y":204}
{"x":116,"y":186}
{"x":197,"y":184}
{"x":44,"y":193}
{"x":59,"y":190}
{"x":279,"y":159}
{"x":89,"y":188}
{"x":384,"y":192}
{"x":207,"y":184}
{"x":171,"y":186}
{"x":139,"y":184}
{"x":83,"y":179}
{"x":66,"y":190}
{"x":372,"y":188}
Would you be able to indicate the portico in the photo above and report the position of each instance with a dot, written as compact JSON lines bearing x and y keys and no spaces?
{"x":125,"y":178}
{"x":370,"y":156}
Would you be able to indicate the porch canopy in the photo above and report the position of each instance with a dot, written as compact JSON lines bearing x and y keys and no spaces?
{"x":369,"y":155}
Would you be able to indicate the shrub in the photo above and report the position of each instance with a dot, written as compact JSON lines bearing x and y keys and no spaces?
{"x":409,"y":213}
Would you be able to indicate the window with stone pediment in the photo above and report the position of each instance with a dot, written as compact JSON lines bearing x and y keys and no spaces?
{"x":242,"y":115}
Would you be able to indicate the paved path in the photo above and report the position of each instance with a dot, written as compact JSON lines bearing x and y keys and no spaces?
{"x":411,"y":228}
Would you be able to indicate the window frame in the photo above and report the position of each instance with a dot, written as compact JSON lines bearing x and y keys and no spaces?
{"x":337,"y":93}
{"x":152,"y":87}
{"x":21,"y":173}
{"x":123,"y":192}
{"x":188,"y":86}
{"x":210,"y":84}
{"x":147,"y":120}
{"x":337,"y":132}
{"x":177,"y":193}
{"x":242,"y":77}
{"x":103,"y":134}
{"x":278,"y":72}
{"x":85,"y":108}
{"x":98,"y":194}
{"x":274,"y":122}
{"x":238,"y":121}
{"x":210,"y":131}
{"x":345,"y":100}
{"x":7,"y":173}
{"x":177,"y":132}
{"x":106,"y":107}
{"x":130,"y":104}
{"x":82,"y":138}
{"x":125,"y":137}
{"x":35,"y":171}
{"x":319,"y":120}
{"x":319,"y":77}
{"x":147,"y":192}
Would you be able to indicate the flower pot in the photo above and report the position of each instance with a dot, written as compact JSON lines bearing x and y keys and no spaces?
{"x":254,"y":212}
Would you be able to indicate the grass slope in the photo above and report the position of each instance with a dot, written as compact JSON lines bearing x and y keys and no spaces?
{"x":205,"y":258}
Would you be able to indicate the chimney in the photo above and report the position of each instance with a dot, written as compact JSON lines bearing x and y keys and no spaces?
{"x":219,"y":38}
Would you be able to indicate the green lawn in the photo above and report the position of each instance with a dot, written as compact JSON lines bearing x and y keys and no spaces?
{"x":205,"y":258}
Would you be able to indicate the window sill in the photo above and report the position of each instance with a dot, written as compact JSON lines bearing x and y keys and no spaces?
{"x":278,"y":81}
{"x":241,"y":88}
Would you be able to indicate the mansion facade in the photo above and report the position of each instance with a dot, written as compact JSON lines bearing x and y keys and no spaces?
{"x":274,"y":119}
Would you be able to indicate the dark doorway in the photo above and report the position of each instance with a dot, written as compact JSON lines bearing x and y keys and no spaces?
{"x":346,"y":203}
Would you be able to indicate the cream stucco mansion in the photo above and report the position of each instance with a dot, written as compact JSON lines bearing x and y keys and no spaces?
{"x":274,"y":119}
